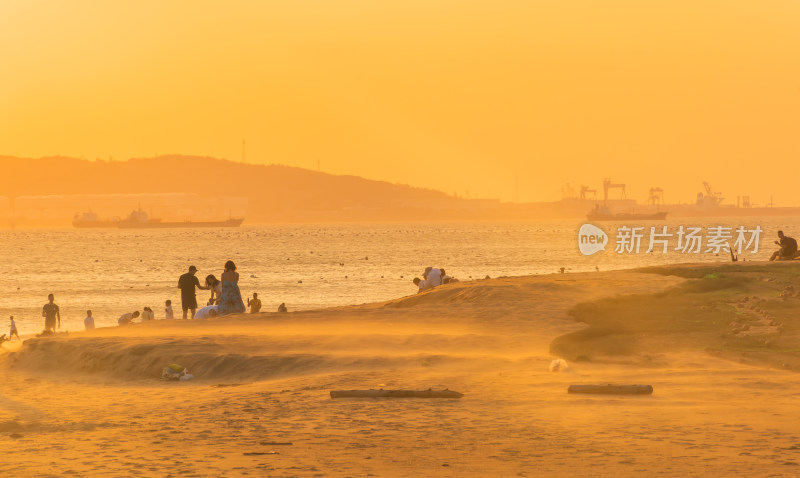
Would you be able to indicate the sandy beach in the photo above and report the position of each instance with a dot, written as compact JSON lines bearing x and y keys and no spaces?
{"x":608,"y":182}
{"x":718,"y":344}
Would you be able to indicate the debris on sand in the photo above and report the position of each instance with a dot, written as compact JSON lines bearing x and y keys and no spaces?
{"x":396,"y":393}
{"x":559,"y":365}
{"x":611,"y":389}
{"x":176,"y":372}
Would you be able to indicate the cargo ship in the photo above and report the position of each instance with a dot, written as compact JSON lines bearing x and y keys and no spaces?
{"x":139,"y":219}
{"x":603,"y":213}
{"x":90,"y":219}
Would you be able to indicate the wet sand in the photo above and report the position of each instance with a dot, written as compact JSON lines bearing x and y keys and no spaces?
{"x":92,"y":404}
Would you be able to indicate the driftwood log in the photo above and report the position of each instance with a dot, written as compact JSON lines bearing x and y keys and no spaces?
{"x":396,"y":393}
{"x":610,"y":389}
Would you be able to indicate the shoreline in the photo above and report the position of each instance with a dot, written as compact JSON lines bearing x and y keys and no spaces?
{"x":265,"y":380}
{"x":114,"y":273}
{"x":554,"y":275}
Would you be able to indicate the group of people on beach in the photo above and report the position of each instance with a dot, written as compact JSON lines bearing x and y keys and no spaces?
{"x":225,"y":299}
{"x":225,"y":295}
{"x":432,"y":277}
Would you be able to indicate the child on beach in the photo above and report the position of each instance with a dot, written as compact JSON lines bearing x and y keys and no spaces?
{"x":88,"y":322}
{"x":147,"y":314}
{"x":254,"y":303}
{"x":168,"y":310}
{"x":13,"y":332}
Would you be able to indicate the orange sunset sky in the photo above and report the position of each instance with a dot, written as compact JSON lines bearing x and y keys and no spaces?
{"x":454,"y":95}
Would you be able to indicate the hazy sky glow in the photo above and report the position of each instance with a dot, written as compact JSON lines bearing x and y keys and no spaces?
{"x":454,"y":95}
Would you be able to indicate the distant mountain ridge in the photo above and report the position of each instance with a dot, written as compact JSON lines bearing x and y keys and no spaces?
{"x":274,"y":192}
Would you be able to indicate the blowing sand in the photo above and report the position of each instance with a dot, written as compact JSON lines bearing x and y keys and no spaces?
{"x":725,"y":403}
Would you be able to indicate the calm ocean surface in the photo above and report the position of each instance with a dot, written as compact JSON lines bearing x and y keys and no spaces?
{"x":117,"y":271}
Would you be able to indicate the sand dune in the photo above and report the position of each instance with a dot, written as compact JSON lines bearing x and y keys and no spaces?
{"x":495,"y":318}
{"x":91,"y":404}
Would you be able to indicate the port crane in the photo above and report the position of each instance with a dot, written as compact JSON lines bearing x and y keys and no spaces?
{"x":711,"y":198}
{"x":656,"y":196}
{"x":603,"y":213}
{"x":585,"y":190}
{"x":607,"y":184}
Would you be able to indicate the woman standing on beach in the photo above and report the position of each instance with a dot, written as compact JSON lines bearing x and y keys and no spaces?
{"x":231,"y":299}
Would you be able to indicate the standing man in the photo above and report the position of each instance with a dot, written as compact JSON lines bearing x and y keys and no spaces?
{"x":50,"y":312}
{"x":186,"y":284}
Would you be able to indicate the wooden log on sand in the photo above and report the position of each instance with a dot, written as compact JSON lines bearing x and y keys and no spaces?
{"x":396,"y":393}
{"x":611,"y":389}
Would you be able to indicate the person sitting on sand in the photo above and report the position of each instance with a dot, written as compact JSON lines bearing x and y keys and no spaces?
{"x":446,"y":279}
{"x":788,"y":250}
{"x":282,"y":308}
{"x":13,"y":332}
{"x":207,"y":312}
{"x":444,"y":276}
{"x":254,"y":303}
{"x":126,"y":319}
{"x":423,"y":284}
{"x":88,"y":322}
{"x":168,"y":314}
{"x":50,"y":312}
{"x":147,"y":314}
{"x":433,"y":276}
{"x":215,"y":286}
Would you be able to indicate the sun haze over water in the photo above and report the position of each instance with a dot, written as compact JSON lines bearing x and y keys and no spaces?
{"x":473,"y":97}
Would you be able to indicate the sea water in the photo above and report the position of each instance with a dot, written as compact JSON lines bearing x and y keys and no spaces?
{"x":307,"y":266}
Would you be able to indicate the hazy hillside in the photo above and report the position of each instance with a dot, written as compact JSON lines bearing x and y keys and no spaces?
{"x":273,"y":192}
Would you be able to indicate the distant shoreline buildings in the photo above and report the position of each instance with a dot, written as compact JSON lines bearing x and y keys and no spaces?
{"x":50,"y":192}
